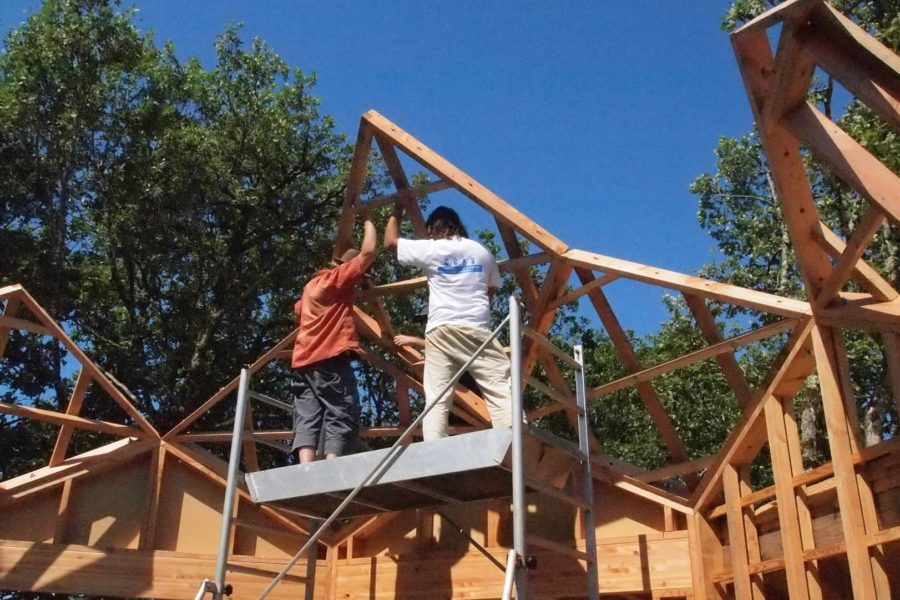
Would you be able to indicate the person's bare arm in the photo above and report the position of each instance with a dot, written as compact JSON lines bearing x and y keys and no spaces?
{"x":392,"y":230}
{"x":368,"y":250}
{"x":409,"y":340}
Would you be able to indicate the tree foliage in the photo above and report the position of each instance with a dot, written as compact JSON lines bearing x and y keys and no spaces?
{"x":164,"y":212}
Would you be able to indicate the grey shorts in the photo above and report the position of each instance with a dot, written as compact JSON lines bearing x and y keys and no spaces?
{"x":325,"y":396}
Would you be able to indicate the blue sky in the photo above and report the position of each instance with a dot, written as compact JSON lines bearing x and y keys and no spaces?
{"x":592,"y":118}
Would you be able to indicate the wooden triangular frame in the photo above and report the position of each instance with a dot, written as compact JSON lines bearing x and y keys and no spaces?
{"x":17,"y":298}
{"x":720,"y":510}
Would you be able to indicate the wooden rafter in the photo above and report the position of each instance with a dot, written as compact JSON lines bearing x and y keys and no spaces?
{"x":465,"y":184}
{"x":623,"y":346}
{"x":813,"y":34}
{"x":724,"y":347}
{"x":17,"y":296}
{"x":791,"y":368}
{"x":732,"y":294}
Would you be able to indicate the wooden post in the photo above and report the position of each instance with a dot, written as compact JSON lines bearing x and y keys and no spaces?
{"x":788,"y":519}
{"x":59,"y":533}
{"x":736,"y":536}
{"x":148,"y":529}
{"x":74,"y":408}
{"x":706,"y":557}
{"x":12,"y":305}
{"x":829,"y":356}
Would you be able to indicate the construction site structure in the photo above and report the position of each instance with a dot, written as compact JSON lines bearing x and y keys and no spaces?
{"x":140,"y":517}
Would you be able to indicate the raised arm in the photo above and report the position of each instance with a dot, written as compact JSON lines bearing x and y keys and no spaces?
{"x":392,"y":230}
{"x":369,"y":248}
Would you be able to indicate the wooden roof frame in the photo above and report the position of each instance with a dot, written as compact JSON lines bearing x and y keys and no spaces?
{"x":719,"y":508}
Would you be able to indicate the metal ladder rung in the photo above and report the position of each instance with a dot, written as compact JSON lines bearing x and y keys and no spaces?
{"x":558,"y":548}
{"x":557,"y":442}
{"x":551,"y":491}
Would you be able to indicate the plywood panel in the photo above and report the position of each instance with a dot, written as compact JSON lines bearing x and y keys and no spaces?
{"x":190,"y":508}
{"x":106,"y":510}
{"x":34,"y":520}
{"x":258,"y":535}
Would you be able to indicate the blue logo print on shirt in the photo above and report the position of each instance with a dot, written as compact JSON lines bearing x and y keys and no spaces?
{"x":455,"y":266}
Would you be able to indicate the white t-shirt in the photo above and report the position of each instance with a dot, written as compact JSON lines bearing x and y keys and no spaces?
{"x":459,"y":272}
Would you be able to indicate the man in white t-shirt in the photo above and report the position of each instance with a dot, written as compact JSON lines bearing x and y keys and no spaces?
{"x":461,"y":274}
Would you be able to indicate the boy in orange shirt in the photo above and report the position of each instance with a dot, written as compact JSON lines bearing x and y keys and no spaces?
{"x":325,"y":393}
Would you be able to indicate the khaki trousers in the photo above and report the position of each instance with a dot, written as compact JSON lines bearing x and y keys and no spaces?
{"x":447,"y":348}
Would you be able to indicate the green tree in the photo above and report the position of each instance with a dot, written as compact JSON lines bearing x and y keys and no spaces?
{"x":165,"y":213}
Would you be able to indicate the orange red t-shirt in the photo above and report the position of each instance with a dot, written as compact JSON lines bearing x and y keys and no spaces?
{"x":325,"y":314}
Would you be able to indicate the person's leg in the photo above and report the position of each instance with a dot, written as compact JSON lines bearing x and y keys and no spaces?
{"x":491,"y":371}
{"x":440,"y":365}
{"x":307,"y":415}
{"x":336,"y":389}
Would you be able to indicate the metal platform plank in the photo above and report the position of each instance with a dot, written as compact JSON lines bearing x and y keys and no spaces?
{"x":461,"y":468}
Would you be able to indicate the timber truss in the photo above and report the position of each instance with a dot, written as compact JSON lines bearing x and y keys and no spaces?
{"x":139,"y":516}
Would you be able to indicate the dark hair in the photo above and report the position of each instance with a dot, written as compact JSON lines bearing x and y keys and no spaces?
{"x":444,"y":223}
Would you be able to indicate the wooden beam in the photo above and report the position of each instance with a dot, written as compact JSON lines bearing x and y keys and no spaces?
{"x":603,"y":473}
{"x":682,"y":468}
{"x":788,"y":170}
{"x":847,"y":159}
{"x":359,"y":167}
{"x":706,"y":557}
{"x":792,"y":74}
{"x":770,"y":303}
{"x":578,"y":293}
{"x":863,"y":314}
{"x":465,"y":184}
{"x":147,"y":539}
{"x":843,"y":59}
{"x":829,"y":356}
{"x":870,"y":52}
{"x":62,"y":513}
{"x":392,"y":161}
{"x":732,"y":371}
{"x":626,"y":352}
{"x":867,"y":277}
{"x":530,"y":296}
{"x":736,"y":535}
{"x":801,"y":495}
{"x":754,"y":554}
{"x":788,"y":519}
{"x":566,"y":402}
{"x":542,"y":341}
{"x":231,"y":386}
{"x":12,"y":305}
{"x":87,"y":364}
{"x":790,"y":10}
{"x":790,"y":369}
{"x":88,"y":464}
{"x":403,"y":196}
{"x":866,"y":229}
{"x":49,"y":416}
{"x":25,"y":324}
{"x":723,"y":347}
{"x":414,"y":283}
{"x":73,"y":408}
